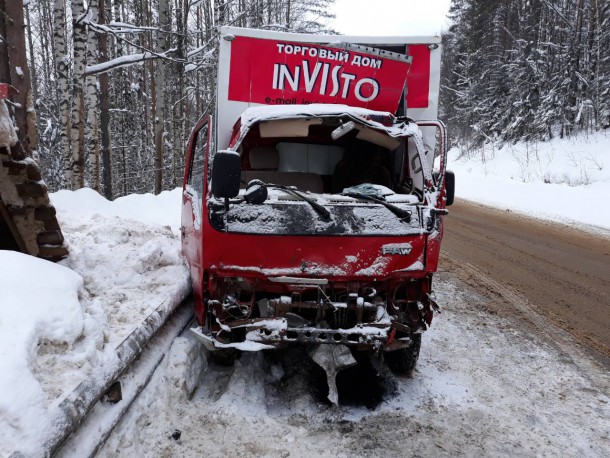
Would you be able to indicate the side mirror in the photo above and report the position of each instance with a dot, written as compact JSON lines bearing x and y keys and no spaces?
{"x":226,"y":174}
{"x":449,"y":187}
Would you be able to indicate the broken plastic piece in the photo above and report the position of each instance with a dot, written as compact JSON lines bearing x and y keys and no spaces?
{"x":333,"y":358}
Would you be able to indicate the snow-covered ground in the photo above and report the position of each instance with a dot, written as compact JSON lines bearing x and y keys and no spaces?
{"x":61,"y":322}
{"x":484,"y":386}
{"x":561,"y":180}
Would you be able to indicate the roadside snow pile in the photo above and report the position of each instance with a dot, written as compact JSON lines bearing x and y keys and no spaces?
{"x":564,"y":180}
{"x":40,"y":308}
{"x":61,"y":323}
{"x":161,"y":210}
{"x":127,"y":251}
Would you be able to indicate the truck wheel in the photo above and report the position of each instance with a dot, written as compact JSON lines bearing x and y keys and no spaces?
{"x":403,"y":361}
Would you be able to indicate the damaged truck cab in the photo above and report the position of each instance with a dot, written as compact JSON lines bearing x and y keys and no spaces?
{"x":313,"y":208}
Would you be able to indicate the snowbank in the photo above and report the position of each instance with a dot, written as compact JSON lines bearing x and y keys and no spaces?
{"x":60,"y":323}
{"x":40,"y":309}
{"x":562,"y":180}
{"x":162,"y":210}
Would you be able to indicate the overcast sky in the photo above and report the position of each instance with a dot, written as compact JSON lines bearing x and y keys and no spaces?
{"x":390,"y":17}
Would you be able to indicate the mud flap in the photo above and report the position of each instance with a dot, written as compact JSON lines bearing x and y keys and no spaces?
{"x":332,"y":358}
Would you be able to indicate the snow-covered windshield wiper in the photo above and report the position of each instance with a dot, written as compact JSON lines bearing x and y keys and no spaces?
{"x":320,"y":210}
{"x":256,"y":193}
{"x":404,"y":215}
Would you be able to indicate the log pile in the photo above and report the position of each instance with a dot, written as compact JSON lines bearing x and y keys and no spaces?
{"x":27,"y":219}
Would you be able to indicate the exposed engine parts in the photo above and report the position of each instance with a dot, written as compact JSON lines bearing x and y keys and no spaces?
{"x":350,"y":313}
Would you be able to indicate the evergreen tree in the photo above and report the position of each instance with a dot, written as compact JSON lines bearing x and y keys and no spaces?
{"x":526,"y":69}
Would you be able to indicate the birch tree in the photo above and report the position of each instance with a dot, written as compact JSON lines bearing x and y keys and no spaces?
{"x":104,"y":106}
{"x":121,"y":82}
{"x":62,"y":76}
{"x":13,"y":22}
{"x":92,"y":104}
{"x":77,"y":127}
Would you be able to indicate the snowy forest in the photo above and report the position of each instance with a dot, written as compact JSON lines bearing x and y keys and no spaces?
{"x":118,"y":84}
{"x":526,"y":69}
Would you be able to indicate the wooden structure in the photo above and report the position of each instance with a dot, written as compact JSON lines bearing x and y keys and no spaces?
{"x":27,"y":218}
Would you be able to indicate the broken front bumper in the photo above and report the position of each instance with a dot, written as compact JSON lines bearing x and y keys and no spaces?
{"x":269,"y":333}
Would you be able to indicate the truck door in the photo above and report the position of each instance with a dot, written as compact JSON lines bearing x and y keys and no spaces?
{"x":194,"y":188}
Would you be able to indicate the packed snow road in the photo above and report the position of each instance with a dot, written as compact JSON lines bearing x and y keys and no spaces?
{"x":561,"y":271}
{"x":492,"y":380}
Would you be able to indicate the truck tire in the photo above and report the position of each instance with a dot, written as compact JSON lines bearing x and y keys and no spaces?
{"x":403,"y":361}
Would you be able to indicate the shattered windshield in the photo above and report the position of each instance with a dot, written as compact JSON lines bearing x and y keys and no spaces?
{"x":324,"y":176}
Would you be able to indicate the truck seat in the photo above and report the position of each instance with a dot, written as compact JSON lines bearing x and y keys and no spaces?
{"x":264,"y":158}
{"x":264,"y":161}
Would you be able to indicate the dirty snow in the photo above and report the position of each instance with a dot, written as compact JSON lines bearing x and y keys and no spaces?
{"x":484,"y":386}
{"x":300,"y":219}
{"x":40,"y":310}
{"x":61,"y":322}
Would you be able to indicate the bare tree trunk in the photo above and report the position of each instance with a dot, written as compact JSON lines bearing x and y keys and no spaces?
{"x":63,"y":89}
{"x":180,"y":107}
{"x":32,"y":60}
{"x":218,"y":14}
{"x":242,"y":10}
{"x":197,"y":74}
{"x":102,"y":41}
{"x":162,"y":45}
{"x":595,"y":56}
{"x":5,"y":72}
{"x":92,"y":102}
{"x":25,"y":116}
{"x":77,"y":138}
{"x":152,"y":99}
{"x":208,"y":17}
{"x":46,"y":44}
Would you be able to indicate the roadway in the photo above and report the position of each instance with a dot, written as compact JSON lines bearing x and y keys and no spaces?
{"x":562,"y":272}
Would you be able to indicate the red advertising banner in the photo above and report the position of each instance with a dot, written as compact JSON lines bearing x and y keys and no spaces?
{"x":418,"y":82}
{"x":275,"y":72}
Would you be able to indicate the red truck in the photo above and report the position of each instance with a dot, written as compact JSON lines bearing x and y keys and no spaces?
{"x":313,"y":201}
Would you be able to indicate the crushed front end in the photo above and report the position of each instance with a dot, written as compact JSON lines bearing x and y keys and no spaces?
{"x":254,"y":313}
{"x":319,"y":226}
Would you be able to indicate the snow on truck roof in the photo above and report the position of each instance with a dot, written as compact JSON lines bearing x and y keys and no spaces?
{"x":380,"y":120}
